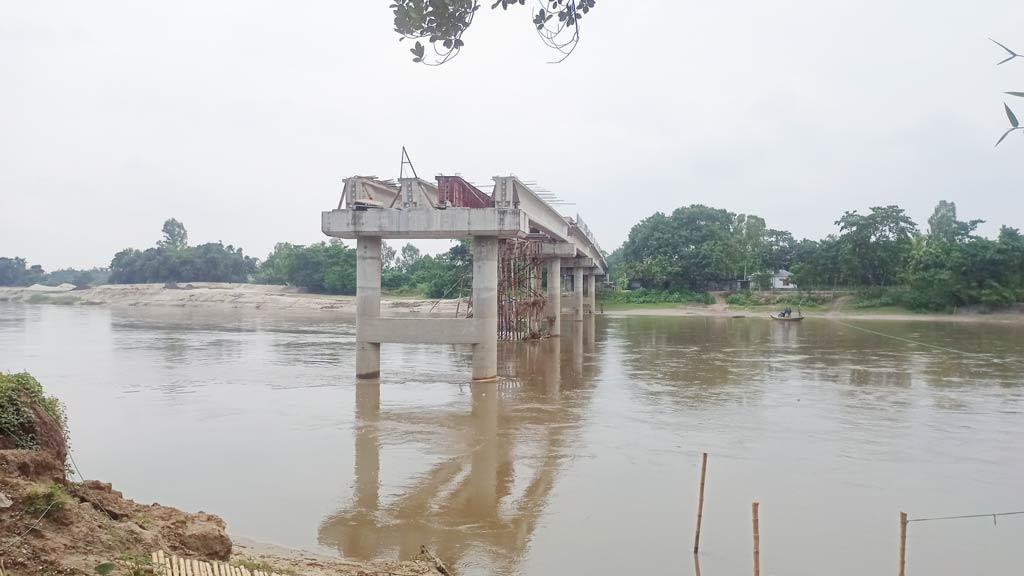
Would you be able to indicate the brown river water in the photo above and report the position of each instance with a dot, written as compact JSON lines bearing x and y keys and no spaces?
{"x":582,"y":459}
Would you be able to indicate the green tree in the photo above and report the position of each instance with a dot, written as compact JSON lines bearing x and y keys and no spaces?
{"x":175,"y":235}
{"x":875,"y":247}
{"x":749,"y":233}
{"x":324,"y":267}
{"x":410,"y":256}
{"x":685,"y":250}
{"x":943,"y":225}
{"x":13,"y":271}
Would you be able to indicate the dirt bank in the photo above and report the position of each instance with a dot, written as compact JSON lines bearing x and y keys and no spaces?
{"x":51,"y":526}
{"x":222,"y":296}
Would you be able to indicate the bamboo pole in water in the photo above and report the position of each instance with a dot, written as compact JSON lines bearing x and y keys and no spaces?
{"x":700,"y":501}
{"x":757,"y":540}
{"x":903,"y":543}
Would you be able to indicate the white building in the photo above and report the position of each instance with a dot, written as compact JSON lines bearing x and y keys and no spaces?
{"x":781,"y":281}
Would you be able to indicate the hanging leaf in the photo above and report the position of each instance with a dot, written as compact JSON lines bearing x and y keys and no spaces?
{"x":1021,"y":94}
{"x":1010,"y":115}
{"x":417,"y":51}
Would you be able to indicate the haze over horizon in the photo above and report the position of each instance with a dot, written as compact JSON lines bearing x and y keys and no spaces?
{"x":241,"y":123}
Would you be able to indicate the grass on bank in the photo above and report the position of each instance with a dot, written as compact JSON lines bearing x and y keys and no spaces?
{"x":657,"y":297}
{"x":47,"y":499}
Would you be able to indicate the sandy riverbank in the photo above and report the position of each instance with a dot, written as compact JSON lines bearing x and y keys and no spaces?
{"x":290,"y":561}
{"x":273,"y":299}
{"x":286,"y":300}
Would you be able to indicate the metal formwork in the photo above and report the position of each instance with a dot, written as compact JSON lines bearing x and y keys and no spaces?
{"x":521,"y":300}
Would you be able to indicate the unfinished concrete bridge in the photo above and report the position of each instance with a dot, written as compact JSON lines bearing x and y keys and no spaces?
{"x":522,"y":248}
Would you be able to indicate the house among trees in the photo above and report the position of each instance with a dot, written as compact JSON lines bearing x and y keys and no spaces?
{"x":782,"y":280}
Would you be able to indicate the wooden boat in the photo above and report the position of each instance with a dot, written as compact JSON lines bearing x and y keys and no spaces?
{"x":790,"y":319}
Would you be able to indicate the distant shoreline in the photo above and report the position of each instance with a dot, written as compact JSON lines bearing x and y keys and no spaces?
{"x":289,"y":301}
{"x":718,"y":311}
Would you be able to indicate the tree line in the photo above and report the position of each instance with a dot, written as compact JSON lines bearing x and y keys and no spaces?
{"x":947,"y":265}
{"x":16,"y":272}
{"x":324,"y":267}
{"x":882,"y":253}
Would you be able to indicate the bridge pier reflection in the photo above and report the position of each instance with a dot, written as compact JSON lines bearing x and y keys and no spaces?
{"x":493,"y":460}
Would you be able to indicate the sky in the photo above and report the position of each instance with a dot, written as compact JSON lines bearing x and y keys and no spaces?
{"x":241,"y":118}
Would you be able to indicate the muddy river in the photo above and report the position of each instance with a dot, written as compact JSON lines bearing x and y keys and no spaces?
{"x":582,"y":459}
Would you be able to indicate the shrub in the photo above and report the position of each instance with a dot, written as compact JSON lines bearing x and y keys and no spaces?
{"x":18,"y":393}
{"x":877,"y":297}
{"x":644,"y":296}
{"x":46,"y":499}
{"x":800,"y":299}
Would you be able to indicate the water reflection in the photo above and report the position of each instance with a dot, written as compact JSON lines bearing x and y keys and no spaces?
{"x":479,"y":505}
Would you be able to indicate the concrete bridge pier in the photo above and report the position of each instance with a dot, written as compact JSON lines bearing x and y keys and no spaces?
{"x":577,"y":293}
{"x":485,"y":307}
{"x":368,"y":268}
{"x":591,"y":291}
{"x":554,"y":297}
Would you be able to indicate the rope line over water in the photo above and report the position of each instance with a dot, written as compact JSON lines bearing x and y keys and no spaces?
{"x":992,"y":516}
{"x":908,"y":340}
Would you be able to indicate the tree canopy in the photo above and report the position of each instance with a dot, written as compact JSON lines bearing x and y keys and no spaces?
{"x":948,"y":266}
{"x":173,"y":260}
{"x":698,"y":244}
{"x":441,"y":24}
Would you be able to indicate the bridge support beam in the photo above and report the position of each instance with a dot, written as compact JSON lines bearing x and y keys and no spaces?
{"x":485,"y":307}
{"x":554,"y":297}
{"x":577,"y":294}
{"x":591,"y":292}
{"x":367,"y":304}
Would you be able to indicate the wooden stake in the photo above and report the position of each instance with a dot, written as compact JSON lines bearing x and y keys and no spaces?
{"x":700,"y":501}
{"x":903,"y":543}
{"x":696,"y":565}
{"x":757,"y":541}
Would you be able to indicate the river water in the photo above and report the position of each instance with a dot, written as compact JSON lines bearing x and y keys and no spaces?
{"x":582,"y":459}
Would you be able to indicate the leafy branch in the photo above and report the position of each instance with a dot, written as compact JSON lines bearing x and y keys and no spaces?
{"x":441,"y":24}
{"x":1014,"y":123}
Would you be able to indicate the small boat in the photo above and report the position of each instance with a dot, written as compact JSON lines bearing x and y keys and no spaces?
{"x":784,"y":319}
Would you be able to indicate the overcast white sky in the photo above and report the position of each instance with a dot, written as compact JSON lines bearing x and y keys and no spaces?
{"x":241,"y":118}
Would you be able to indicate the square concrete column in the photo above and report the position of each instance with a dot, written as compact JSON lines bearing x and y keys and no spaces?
{"x":367,"y":304}
{"x":591,"y":291}
{"x":554,"y":297}
{"x":485,"y":307}
{"x":577,"y":293}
